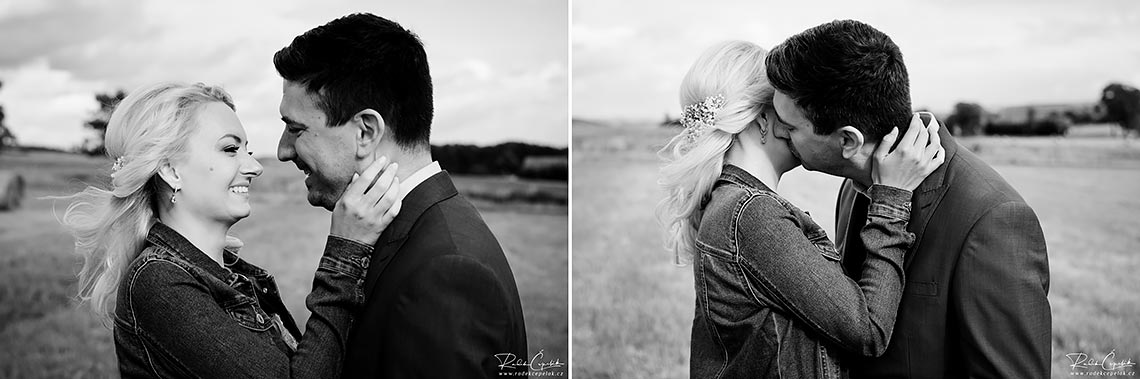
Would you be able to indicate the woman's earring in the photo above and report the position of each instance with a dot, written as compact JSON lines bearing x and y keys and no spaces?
{"x":763,"y":134}
{"x":173,"y":199}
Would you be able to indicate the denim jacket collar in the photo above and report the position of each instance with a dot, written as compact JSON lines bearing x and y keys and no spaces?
{"x":737,"y":175}
{"x":162,"y":235}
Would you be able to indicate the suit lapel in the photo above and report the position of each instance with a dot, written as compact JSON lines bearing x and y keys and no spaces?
{"x":928,"y":194}
{"x":851,"y":212}
{"x":851,"y":215}
{"x":435,"y":189}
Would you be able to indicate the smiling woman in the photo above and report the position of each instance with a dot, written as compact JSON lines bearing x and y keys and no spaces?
{"x":160,"y":267}
{"x":426,"y":203}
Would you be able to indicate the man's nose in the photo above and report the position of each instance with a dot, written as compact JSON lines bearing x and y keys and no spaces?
{"x":285,"y":150}
{"x":780,"y":131}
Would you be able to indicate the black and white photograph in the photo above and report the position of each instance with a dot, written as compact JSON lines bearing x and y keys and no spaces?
{"x":284,"y":189}
{"x":831,"y":189}
{"x":569,"y":188}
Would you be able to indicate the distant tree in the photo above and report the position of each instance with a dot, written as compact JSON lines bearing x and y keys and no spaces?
{"x":99,"y":119}
{"x":1121,"y":104}
{"x":502,"y":159}
{"x":967,"y":119}
{"x":6,"y":137}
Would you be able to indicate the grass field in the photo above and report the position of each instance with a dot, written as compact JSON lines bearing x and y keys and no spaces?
{"x":43,"y":334}
{"x":633,"y":308}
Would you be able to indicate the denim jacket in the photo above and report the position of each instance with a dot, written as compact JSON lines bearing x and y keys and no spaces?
{"x":180,"y":314}
{"x":772,"y":298}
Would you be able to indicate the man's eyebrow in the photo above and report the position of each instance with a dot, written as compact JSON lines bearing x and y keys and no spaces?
{"x":781,"y":119}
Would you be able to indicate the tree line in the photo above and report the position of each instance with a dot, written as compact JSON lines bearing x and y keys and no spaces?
{"x":512,"y":158}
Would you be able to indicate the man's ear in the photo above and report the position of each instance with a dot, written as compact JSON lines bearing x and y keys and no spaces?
{"x":170,"y":175}
{"x":851,"y":141}
{"x":370,"y":129}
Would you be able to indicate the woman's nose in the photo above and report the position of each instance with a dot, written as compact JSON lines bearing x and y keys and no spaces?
{"x":252,"y":167}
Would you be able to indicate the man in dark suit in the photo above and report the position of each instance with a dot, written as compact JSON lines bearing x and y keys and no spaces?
{"x":977,"y":276}
{"x":440,"y":297}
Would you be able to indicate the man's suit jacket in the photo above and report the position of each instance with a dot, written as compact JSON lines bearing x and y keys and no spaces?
{"x":441,"y":300}
{"x":977,"y":276}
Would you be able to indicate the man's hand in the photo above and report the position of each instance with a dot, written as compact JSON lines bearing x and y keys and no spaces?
{"x":368,"y":205}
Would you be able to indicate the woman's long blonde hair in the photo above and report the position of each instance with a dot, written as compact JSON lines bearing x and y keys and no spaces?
{"x":692,"y":163}
{"x":147,"y":130}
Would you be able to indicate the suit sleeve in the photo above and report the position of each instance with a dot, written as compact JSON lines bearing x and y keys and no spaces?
{"x":999,"y":294}
{"x":453,"y":317}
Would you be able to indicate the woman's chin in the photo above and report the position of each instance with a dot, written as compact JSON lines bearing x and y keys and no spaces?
{"x":240,"y":213}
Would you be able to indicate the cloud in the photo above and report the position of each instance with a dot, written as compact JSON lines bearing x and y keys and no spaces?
{"x":630,"y":56}
{"x":45,"y":106}
{"x":477,"y":104}
{"x":32,"y":30}
{"x":69,"y":50}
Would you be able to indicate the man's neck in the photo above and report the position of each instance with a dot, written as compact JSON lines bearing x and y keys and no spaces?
{"x":862,"y":177}
{"x":859,"y":170}
{"x":409,"y":161}
{"x":409,"y":164}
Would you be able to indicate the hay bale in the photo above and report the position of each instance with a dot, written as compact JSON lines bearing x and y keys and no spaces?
{"x":11,"y":190}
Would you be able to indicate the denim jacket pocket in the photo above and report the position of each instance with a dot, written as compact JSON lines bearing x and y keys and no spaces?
{"x":245,"y":311}
{"x":828,"y":363}
{"x":713,"y":251}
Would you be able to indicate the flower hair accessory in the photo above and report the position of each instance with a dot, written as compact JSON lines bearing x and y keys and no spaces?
{"x":119,"y":162}
{"x":700,"y":116}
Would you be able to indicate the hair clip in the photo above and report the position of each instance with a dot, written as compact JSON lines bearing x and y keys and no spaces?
{"x":118,"y":165}
{"x":700,"y":116}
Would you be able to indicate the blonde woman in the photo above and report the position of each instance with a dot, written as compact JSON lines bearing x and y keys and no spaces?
{"x":158,"y":264}
{"x":772,"y":299}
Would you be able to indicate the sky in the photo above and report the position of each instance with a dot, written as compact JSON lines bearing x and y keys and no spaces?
{"x":629,"y":56}
{"x":499,"y":67}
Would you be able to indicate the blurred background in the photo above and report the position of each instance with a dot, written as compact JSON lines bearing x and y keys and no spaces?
{"x":500,"y":72}
{"x":1042,"y":90}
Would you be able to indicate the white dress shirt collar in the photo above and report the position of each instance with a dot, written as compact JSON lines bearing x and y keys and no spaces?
{"x":416,"y":178}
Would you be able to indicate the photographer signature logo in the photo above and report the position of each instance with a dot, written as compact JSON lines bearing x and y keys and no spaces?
{"x":1084,"y":365}
{"x":510,"y":364}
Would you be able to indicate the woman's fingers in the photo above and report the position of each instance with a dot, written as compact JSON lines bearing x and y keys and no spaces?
{"x":390,"y":215}
{"x":912,"y":132}
{"x":935,"y":140}
{"x":923,"y":137}
{"x":382,"y":185}
{"x":388,"y":206}
{"x":884,"y":147}
{"x":361,"y":184}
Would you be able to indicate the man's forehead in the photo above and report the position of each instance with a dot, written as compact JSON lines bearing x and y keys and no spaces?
{"x":297,"y":103}
{"x":787,"y":111}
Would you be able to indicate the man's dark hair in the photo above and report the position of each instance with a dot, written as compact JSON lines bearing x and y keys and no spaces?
{"x":363,"y":61}
{"x":844,"y":73}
